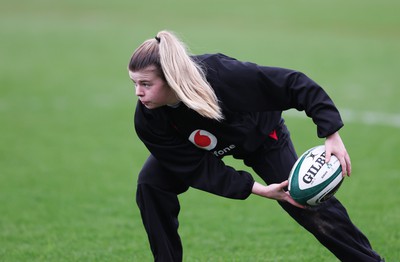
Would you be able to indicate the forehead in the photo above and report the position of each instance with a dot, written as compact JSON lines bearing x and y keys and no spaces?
{"x":148,"y":73}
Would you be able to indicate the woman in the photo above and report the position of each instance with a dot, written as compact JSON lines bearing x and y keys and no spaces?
{"x":194,"y":110}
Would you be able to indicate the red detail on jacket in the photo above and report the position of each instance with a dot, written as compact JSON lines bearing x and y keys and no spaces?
{"x":273,"y":135}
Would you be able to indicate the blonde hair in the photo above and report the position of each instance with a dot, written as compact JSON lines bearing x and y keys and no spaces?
{"x":183,"y":75}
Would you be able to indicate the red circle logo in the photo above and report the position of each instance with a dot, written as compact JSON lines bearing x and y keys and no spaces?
{"x":203,"y":139}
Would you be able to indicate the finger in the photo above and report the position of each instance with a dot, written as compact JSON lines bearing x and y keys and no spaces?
{"x":284,"y":184}
{"x":294,"y":203}
{"x":290,"y":200}
{"x":344,"y":166}
{"x":328,"y":154}
{"x":348,"y":161}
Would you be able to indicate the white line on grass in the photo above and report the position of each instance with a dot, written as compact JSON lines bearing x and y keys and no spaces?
{"x":366,"y":117}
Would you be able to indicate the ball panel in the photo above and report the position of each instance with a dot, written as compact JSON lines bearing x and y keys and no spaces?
{"x":294,"y":173}
{"x":328,"y":190}
{"x":326,"y":194}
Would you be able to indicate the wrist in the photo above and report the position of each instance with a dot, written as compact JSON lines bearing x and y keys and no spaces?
{"x":257,"y":188}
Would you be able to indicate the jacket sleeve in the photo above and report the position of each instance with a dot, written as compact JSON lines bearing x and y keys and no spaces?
{"x":197,"y":168}
{"x":249,"y":86}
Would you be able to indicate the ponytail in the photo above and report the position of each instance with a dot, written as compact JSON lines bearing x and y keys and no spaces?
{"x":182,"y":74}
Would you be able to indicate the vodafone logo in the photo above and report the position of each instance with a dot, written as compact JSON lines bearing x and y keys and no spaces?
{"x":203,"y":139}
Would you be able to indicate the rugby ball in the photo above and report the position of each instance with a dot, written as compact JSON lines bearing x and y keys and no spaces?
{"x":312,"y":180}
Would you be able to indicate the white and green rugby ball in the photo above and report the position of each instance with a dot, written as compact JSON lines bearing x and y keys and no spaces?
{"x":312,"y":180}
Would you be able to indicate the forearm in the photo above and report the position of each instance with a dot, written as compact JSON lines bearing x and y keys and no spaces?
{"x":265,"y":191}
{"x":222,"y":181}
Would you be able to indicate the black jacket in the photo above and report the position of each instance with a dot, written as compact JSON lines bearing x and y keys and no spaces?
{"x":252,"y":98}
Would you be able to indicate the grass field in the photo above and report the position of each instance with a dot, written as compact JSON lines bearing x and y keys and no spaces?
{"x":69,"y":156}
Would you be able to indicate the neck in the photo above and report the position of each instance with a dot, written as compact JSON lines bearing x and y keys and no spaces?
{"x":175,"y":104}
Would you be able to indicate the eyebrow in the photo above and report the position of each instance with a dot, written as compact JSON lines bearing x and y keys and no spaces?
{"x":141,"y":81}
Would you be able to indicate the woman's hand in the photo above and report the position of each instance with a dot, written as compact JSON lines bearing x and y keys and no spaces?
{"x":334,"y":146}
{"x":275,"y":191}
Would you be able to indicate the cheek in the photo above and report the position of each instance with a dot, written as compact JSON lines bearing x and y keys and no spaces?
{"x":164,"y":92}
{"x":156,"y":96}
{"x":161,"y":94}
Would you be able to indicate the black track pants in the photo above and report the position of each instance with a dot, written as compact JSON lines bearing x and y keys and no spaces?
{"x":159,"y":206}
{"x":157,"y":198}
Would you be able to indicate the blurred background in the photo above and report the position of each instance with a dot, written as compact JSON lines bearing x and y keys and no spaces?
{"x":69,"y":155}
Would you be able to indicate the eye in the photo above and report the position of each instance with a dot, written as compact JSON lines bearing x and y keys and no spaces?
{"x":142,"y":84}
{"x":146,"y":84}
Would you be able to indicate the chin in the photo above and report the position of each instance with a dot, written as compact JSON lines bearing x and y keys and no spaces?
{"x":151,"y":106}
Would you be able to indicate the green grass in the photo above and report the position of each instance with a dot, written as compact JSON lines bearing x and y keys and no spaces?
{"x":69,"y":156}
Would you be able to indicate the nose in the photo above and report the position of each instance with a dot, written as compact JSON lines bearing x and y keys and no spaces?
{"x":139,"y":91}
